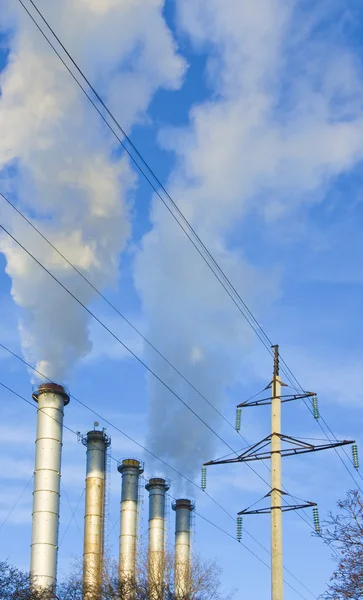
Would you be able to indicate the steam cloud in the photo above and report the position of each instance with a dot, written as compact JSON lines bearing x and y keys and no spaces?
{"x":62,"y":165}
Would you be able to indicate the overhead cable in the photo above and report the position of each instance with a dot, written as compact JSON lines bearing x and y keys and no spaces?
{"x":173,"y":208}
{"x":169,"y":466}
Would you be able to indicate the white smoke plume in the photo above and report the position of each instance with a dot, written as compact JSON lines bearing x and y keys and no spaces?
{"x":61,"y":163}
{"x":283,"y":119}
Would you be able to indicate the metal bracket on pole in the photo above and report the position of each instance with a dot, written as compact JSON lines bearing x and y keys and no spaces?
{"x":284,"y":508}
{"x":256,"y":452}
{"x":283,"y":398}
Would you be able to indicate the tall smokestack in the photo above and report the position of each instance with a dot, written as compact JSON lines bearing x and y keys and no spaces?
{"x":130,"y":470}
{"x":183,"y":513}
{"x":96,"y":443}
{"x":51,"y":399}
{"x":157,"y":488}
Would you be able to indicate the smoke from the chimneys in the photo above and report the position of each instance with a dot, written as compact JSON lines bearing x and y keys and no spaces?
{"x":59,"y":161}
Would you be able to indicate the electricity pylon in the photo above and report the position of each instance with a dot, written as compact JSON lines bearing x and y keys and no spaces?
{"x":271,"y":448}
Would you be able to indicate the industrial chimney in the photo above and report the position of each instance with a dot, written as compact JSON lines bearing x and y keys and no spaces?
{"x":51,"y":399}
{"x":96,"y":443}
{"x":183,"y":512}
{"x":130,"y":470}
{"x":157,"y":488}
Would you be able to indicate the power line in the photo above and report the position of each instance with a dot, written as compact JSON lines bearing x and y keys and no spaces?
{"x":199,"y":245}
{"x":161,"y":460}
{"x":105,"y":420}
{"x":109,"y":303}
{"x":139,"y":333}
{"x":254,"y":321}
{"x":101,"y":417}
{"x":125,"y":346}
{"x":210,"y":256}
{"x":143,"y":363}
{"x":123,"y":317}
{"x":177,"y":215}
{"x":129,"y":350}
{"x":133,"y":327}
{"x":305,"y":519}
{"x":151,"y":453}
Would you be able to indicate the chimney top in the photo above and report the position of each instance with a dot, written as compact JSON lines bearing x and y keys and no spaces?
{"x":157,"y":482}
{"x":130,"y":463}
{"x":183,"y":503}
{"x":51,"y":388}
{"x":96,"y":435}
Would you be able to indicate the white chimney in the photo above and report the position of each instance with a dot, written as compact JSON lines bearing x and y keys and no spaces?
{"x":183,"y":512}
{"x":130,"y":470}
{"x":157,"y":488}
{"x":96,"y":443}
{"x":51,"y":399}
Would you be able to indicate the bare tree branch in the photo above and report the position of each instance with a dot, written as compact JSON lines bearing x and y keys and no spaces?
{"x":344,"y":532}
{"x":204,"y":584}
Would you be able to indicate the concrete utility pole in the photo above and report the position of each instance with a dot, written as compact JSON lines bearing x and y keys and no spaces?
{"x":277,"y":591}
{"x":271,"y":448}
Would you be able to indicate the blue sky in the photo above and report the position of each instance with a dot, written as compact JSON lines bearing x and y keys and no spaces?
{"x":252,"y":116}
